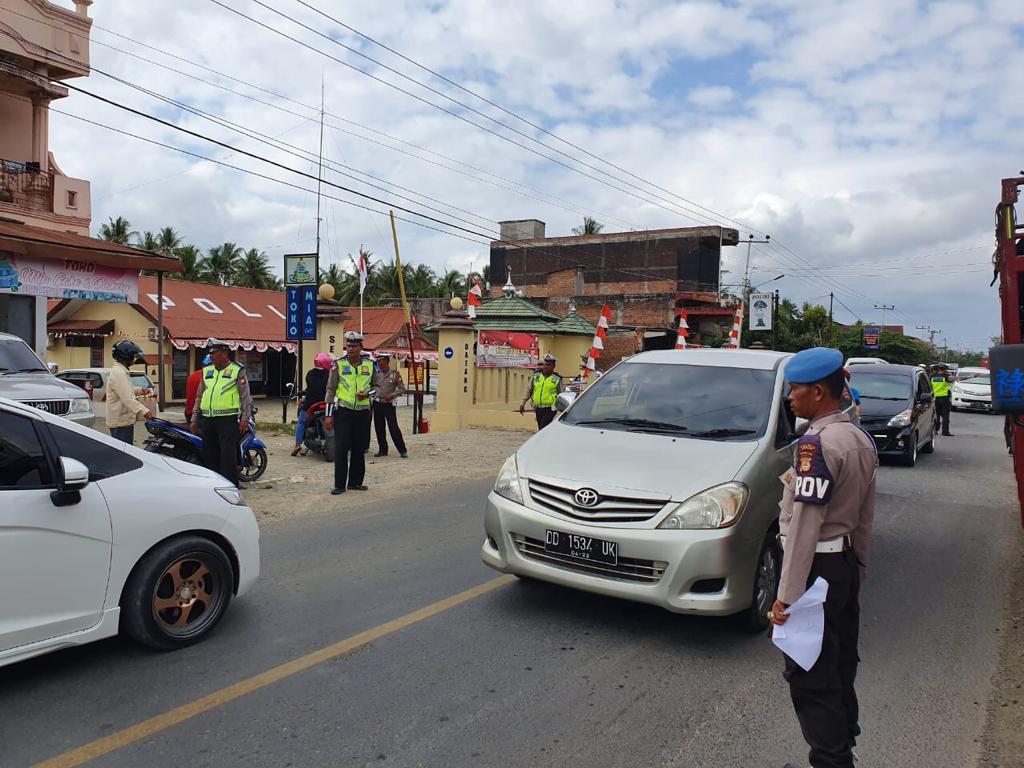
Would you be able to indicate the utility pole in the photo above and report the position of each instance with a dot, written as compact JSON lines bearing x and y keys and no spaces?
{"x":884,"y":307}
{"x":830,"y":323}
{"x":931,"y":335}
{"x":746,"y":271}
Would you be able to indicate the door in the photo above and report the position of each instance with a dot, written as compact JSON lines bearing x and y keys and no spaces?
{"x":925,"y":403}
{"x":54,"y":561}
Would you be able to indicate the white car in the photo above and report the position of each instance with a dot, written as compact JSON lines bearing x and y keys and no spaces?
{"x":94,"y":380}
{"x":98,"y":537}
{"x":974,"y":394}
{"x":969,"y":372}
{"x":864,"y":361}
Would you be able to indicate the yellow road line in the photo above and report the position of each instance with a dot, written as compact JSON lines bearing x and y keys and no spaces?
{"x":162,"y":722}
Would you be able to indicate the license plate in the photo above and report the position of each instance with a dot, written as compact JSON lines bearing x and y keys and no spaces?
{"x":581,"y":547}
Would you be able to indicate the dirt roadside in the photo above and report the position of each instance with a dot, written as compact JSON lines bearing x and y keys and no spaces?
{"x":301,"y":485}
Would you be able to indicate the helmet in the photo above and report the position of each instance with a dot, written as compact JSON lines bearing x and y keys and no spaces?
{"x":207,"y":360}
{"x":323,"y":360}
{"x":128,"y":352}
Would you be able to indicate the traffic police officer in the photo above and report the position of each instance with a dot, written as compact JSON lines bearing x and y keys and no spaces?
{"x":543,"y":390}
{"x":222,"y":415}
{"x":349,"y":389}
{"x":941,"y":386}
{"x":828,"y":507}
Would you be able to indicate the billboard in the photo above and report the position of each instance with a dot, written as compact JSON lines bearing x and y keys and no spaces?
{"x":872,"y":337}
{"x":760,"y":311}
{"x":507,"y":349}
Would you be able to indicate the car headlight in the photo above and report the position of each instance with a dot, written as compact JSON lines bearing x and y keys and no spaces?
{"x":716,"y":507}
{"x":81,"y":405}
{"x":507,"y":484}
{"x":231,"y":495}
{"x":901,"y":419}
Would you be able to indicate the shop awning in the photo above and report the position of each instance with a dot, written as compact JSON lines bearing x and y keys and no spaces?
{"x":34,"y":242}
{"x":403,"y":353}
{"x":248,"y":345}
{"x":81,"y":328}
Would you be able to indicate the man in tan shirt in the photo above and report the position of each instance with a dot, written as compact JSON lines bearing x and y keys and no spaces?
{"x":828,"y":508}
{"x":123,"y":409}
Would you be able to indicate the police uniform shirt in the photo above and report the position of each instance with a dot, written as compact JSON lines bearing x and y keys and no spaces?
{"x":528,"y":394}
{"x":829,"y":492}
{"x":332,"y":379}
{"x":244,"y":396}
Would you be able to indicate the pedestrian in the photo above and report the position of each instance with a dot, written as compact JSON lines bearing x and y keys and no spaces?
{"x":315,"y":392}
{"x":349,"y":389}
{"x":222,"y":416}
{"x":388,"y":385}
{"x":123,"y":407}
{"x":192,"y":389}
{"x":542,"y":391}
{"x":942,"y":382}
{"x":827,"y":511}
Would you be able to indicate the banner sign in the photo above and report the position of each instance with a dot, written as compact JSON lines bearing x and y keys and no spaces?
{"x":300,"y":313}
{"x":507,"y":349}
{"x":872,"y":337}
{"x":68,"y":279}
{"x":308,"y":312}
{"x":761,"y":311}
{"x":301,"y":269}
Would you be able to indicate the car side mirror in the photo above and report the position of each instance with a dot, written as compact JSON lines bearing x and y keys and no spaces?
{"x":927,"y":397}
{"x":74,"y":476}
{"x":564,"y":400}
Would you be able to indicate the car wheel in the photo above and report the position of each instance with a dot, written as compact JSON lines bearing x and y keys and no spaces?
{"x":766,"y":586}
{"x":255,"y":467}
{"x":910,"y":457}
{"x":177,"y":593}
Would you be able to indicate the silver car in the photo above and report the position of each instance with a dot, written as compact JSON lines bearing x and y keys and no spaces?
{"x":24,"y":377}
{"x":660,"y":483}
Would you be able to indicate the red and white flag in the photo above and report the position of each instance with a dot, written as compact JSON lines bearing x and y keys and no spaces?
{"x":360,"y":268}
{"x":600,"y":334}
{"x":475,"y":297}
{"x":683,"y":331}
{"x":737,"y":327}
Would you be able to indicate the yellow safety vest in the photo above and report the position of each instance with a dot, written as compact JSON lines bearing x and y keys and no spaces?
{"x":545,"y":389}
{"x":940,"y":386}
{"x":220,"y":391}
{"x":352,"y":380}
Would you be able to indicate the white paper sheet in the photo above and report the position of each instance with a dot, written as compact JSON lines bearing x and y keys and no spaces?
{"x":801,"y":636}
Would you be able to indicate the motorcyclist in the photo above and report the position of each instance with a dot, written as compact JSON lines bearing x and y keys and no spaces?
{"x":316,"y":392}
{"x":123,"y":409}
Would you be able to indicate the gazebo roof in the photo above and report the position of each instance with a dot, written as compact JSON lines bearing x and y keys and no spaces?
{"x":574,"y":323}
{"x":512,"y":307}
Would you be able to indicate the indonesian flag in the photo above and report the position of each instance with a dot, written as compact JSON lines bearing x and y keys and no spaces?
{"x":737,"y":327}
{"x":360,"y":268}
{"x":683,"y":332}
{"x":473,"y":300}
{"x":600,"y":334}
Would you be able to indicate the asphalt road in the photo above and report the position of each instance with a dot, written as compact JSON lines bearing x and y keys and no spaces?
{"x":526,"y":674}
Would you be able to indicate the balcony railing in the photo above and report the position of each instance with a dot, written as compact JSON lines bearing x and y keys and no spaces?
{"x":24,"y":185}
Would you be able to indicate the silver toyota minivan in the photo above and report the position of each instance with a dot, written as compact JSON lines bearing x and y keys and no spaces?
{"x":660,"y":483}
{"x":24,"y":377}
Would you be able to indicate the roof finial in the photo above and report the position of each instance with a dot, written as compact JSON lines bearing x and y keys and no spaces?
{"x":572,"y":306}
{"x":508,"y":289}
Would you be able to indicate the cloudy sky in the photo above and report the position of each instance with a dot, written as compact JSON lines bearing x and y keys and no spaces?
{"x":867,"y":138}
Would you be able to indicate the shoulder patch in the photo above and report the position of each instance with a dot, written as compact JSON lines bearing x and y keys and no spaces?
{"x":813,"y":482}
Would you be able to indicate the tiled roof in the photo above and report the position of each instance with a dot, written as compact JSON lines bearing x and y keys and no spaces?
{"x":49,"y":244}
{"x":574,"y":324}
{"x":512,"y":307}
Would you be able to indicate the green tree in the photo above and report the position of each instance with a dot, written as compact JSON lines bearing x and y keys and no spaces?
{"x":118,"y":230}
{"x":253,"y":271}
{"x":147,"y":241}
{"x":220,"y":263}
{"x":451,"y":283}
{"x":190,"y":263}
{"x":589,"y":227}
{"x":167,"y":240}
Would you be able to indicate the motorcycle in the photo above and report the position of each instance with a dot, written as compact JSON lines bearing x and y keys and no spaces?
{"x":317,"y":438}
{"x":177,"y":441}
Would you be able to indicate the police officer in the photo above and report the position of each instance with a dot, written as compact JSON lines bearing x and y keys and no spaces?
{"x":543,"y":390}
{"x":942,"y":382}
{"x":349,"y":388}
{"x":828,"y":507}
{"x":223,"y":410}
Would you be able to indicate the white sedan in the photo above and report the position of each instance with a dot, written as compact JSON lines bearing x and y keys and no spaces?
{"x":98,"y":537}
{"x":974,"y":394}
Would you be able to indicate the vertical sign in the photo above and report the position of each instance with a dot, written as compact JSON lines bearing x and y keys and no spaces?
{"x":292,"y":321}
{"x":872,"y":337}
{"x":760,"y":311}
{"x":307,"y":312}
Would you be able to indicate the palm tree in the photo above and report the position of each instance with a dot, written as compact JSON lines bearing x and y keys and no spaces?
{"x":451,"y":283}
{"x":119,"y":230}
{"x":167,"y":240}
{"x":147,"y":242}
{"x":589,"y":227}
{"x":190,"y":263}
{"x":220,"y":263}
{"x":422,"y":282}
{"x":253,"y":271}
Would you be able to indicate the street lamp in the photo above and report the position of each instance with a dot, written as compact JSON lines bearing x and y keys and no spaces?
{"x":777,"y":277}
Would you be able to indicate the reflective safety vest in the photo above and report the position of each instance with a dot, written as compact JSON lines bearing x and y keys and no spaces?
{"x":353,"y":379}
{"x":545,"y":389}
{"x":220,"y":391}
{"x":940,"y":386}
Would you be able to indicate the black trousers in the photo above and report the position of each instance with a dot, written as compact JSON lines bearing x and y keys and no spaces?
{"x":351,"y":437}
{"x":942,"y":413}
{"x":385,"y":414}
{"x":220,"y":445}
{"x":824,"y":697}
{"x":544,"y":416}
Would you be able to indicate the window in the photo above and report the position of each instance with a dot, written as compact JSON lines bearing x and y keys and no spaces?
{"x":72,"y":199}
{"x":23,"y":462}
{"x":102,"y":460}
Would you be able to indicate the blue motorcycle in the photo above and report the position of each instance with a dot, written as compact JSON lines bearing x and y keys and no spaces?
{"x":175,"y":440}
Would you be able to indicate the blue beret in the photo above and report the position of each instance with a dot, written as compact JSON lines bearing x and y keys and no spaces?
{"x":811,"y":365}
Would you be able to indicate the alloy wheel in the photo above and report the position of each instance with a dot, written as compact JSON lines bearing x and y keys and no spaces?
{"x":188,"y":596}
{"x":767,"y":581}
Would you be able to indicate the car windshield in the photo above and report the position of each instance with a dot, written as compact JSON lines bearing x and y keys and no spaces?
{"x":881,"y":386}
{"x":16,"y":357}
{"x":982,"y":381}
{"x":706,"y":402}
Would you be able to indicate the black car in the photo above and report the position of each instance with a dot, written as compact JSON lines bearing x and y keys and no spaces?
{"x":897,"y":408}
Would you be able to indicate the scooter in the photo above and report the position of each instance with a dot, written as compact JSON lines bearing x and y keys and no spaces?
{"x":177,"y":441}
{"x":317,"y":438}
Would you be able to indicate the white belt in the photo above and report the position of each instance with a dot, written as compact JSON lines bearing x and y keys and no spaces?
{"x":838,"y":544}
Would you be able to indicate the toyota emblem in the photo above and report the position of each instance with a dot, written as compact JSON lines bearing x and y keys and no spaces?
{"x":587,"y":497}
{"x":43,"y":407}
